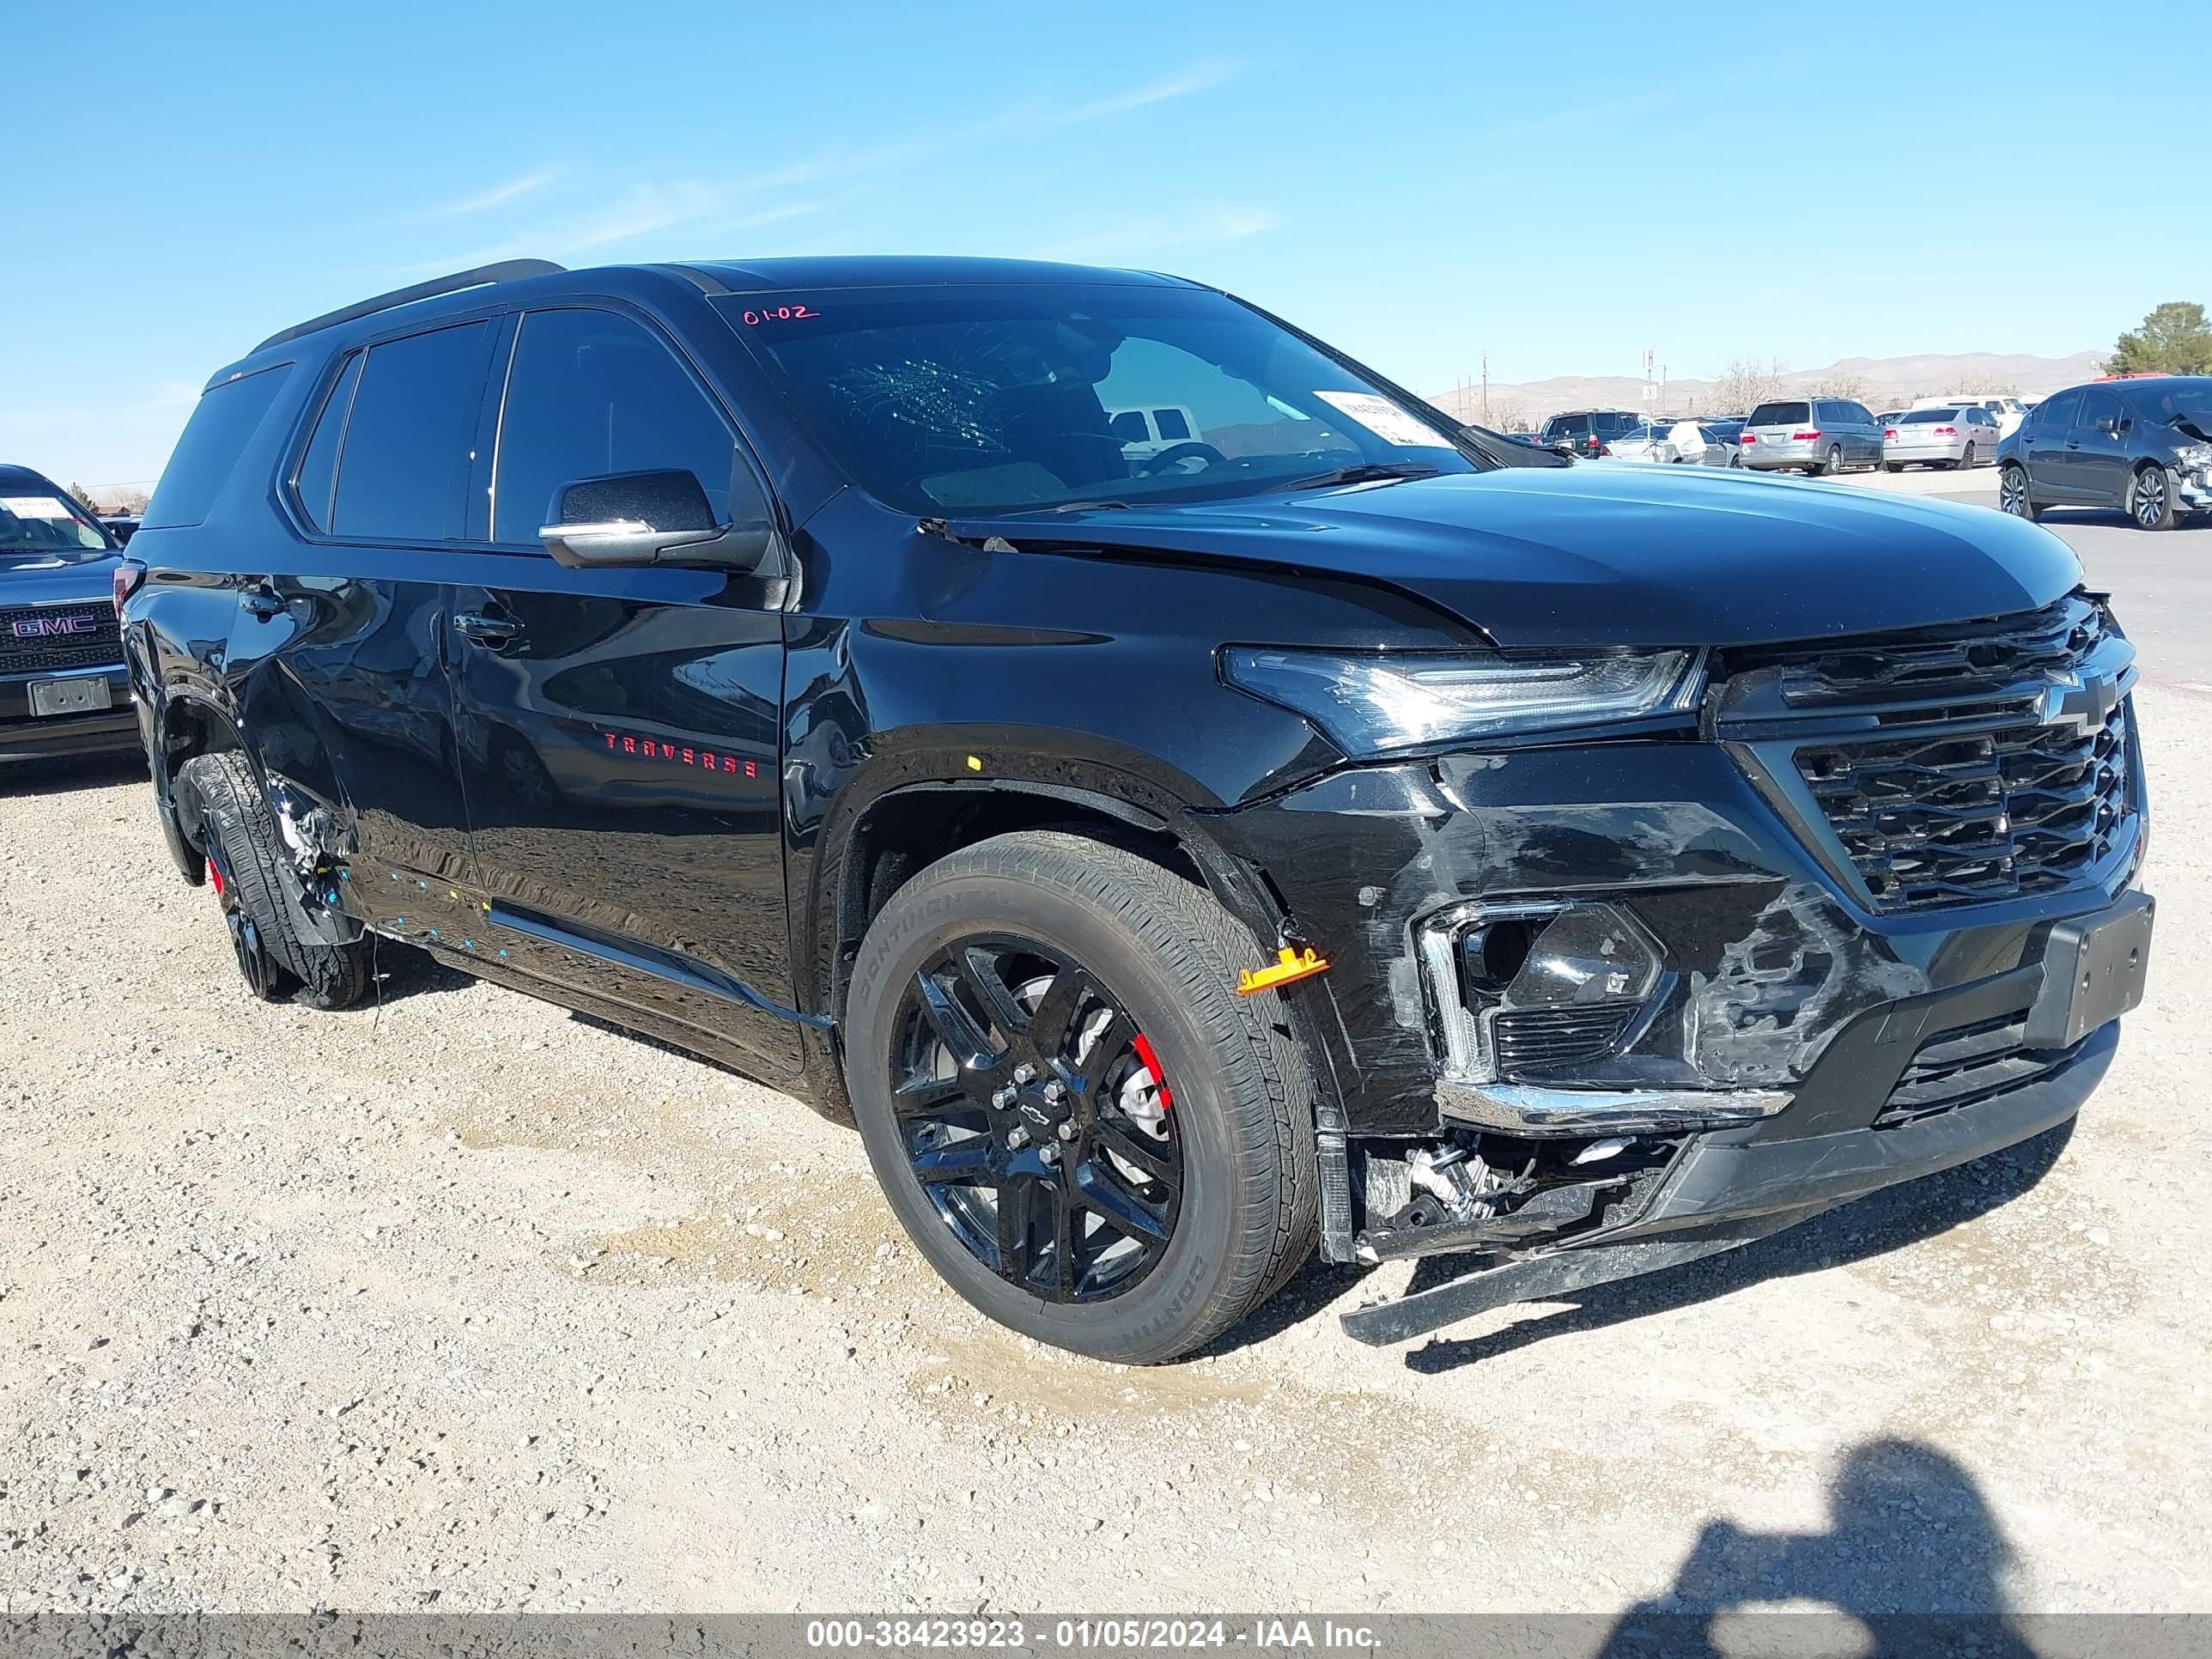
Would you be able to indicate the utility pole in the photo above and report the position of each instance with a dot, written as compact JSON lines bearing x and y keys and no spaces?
{"x":1486,"y":388}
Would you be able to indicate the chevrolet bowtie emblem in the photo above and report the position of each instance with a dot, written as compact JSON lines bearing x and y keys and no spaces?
{"x":2084,"y":703}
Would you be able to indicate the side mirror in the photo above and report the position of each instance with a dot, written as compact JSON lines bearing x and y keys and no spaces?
{"x":645,"y":518}
{"x":2109,"y":427}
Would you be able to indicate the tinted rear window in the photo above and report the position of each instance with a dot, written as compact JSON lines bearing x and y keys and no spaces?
{"x":2057,"y":409}
{"x":403,"y":474}
{"x":1780,"y":415}
{"x":224,"y":420}
{"x":318,"y":468}
{"x":1930,"y":416}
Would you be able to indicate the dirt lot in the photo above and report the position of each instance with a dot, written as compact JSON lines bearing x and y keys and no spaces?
{"x":462,"y":1301}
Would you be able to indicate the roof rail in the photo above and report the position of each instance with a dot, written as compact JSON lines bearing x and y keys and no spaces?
{"x":507,"y":271}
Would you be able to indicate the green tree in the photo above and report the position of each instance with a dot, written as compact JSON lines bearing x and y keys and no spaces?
{"x":2174,"y":339}
{"x":84,"y":498}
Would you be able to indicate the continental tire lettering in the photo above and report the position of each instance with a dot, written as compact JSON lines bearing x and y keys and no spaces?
{"x":1168,"y":1315}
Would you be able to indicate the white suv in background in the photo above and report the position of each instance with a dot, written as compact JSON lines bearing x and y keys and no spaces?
{"x":1144,"y":433}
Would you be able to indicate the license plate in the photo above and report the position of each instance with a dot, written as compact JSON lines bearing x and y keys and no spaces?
{"x":2093,"y":971}
{"x":69,"y":697}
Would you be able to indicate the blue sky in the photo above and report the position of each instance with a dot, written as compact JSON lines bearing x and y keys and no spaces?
{"x":1558,"y":185}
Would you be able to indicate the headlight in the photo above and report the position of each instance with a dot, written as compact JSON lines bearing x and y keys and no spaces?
{"x":2191,"y":456}
{"x":1373,"y":704}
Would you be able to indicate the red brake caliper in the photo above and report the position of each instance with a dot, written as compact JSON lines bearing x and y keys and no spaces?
{"x":1144,"y":1048}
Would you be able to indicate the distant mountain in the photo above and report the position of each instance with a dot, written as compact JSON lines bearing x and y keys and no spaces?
{"x":1880,"y":382}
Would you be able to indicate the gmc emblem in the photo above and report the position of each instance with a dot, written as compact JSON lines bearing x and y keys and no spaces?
{"x":40,"y":628}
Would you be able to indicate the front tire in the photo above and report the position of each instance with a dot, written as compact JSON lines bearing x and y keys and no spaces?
{"x":279,"y":953}
{"x":2150,"y":499}
{"x":2013,"y":495}
{"x":1008,"y":1009}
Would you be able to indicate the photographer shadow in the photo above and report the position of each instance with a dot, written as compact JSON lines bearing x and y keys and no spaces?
{"x":1913,"y":1563}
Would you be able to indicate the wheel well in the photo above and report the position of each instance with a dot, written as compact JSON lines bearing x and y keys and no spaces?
{"x":907,"y":831}
{"x":190,"y":728}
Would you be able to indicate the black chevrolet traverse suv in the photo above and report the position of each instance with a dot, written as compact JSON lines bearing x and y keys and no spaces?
{"x":63,"y":690}
{"x":1336,"y":829}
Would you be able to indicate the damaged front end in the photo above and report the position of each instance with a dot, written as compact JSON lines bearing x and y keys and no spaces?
{"x":1605,"y":1005}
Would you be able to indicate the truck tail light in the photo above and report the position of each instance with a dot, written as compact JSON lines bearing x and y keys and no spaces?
{"x":130,"y":576}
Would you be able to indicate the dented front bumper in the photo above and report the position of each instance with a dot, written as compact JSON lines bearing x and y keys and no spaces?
{"x":1795,"y":1045}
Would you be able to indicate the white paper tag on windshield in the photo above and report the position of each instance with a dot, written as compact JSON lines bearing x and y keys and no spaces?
{"x":1386,"y":420}
{"x":35,"y":507}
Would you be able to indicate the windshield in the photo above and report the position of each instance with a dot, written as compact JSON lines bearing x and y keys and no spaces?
{"x":43,"y":526}
{"x":987,"y":399}
{"x":2176,"y":402}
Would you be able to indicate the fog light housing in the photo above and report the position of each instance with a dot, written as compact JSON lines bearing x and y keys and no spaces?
{"x":1532,"y":988}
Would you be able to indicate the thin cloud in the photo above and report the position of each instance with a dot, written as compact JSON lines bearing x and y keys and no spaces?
{"x":497,"y":196}
{"x":646,"y":208}
{"x":1202,"y":77}
{"x":638,"y":211}
{"x":938,"y":141}
{"x":774,"y":216}
{"x":1134,"y":236}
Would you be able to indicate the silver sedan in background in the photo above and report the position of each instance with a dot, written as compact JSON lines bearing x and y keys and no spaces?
{"x":1948,"y":437}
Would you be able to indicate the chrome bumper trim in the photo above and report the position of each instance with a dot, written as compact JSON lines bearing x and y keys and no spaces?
{"x":1521,"y":1108}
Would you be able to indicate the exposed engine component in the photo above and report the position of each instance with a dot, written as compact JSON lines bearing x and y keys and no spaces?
{"x":1468,"y":1191}
{"x":1457,"y":1176}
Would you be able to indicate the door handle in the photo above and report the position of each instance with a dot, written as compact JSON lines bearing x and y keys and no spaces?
{"x":490,"y":630}
{"x":262,"y":602}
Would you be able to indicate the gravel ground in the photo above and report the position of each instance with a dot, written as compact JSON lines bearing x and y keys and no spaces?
{"x":464,"y":1302}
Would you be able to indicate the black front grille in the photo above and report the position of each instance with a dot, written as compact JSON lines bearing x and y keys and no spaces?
{"x":1532,"y":1039}
{"x":1971,"y":1064}
{"x":1991,"y":769}
{"x":47,"y":654}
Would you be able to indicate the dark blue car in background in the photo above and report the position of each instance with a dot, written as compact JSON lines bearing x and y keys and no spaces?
{"x":62,"y":690}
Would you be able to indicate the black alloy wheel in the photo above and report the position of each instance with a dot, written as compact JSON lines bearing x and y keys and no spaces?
{"x":2013,"y":494}
{"x":1076,"y":1120}
{"x":1033,"y":1115}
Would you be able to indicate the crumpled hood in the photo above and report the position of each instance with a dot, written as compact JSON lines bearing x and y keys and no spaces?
{"x":1619,"y":554}
{"x":34,"y":584}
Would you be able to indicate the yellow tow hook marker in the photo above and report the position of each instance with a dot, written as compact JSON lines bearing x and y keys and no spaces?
{"x":1288,"y":965}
